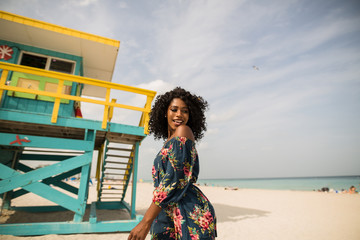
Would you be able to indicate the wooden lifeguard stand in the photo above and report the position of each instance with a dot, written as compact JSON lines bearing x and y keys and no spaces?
{"x":46,"y":71}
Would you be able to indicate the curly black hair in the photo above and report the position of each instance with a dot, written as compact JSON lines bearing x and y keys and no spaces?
{"x":158,"y":125}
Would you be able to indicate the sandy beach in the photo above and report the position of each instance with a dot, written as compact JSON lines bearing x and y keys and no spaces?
{"x":242,"y":214}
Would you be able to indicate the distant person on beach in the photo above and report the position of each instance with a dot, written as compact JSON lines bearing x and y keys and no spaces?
{"x":179,"y":210}
{"x":352,"y":190}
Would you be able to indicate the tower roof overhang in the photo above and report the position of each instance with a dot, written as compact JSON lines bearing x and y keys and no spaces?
{"x":99,"y":53}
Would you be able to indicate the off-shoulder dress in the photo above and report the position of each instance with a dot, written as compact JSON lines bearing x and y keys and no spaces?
{"x":186,"y":212}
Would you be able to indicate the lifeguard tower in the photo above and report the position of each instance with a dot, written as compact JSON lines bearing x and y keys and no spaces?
{"x":46,"y":72}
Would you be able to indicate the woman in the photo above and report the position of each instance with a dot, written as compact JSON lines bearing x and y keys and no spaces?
{"x":179,"y":210}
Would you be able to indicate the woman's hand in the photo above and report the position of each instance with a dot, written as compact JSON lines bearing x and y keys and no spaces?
{"x":140,"y":231}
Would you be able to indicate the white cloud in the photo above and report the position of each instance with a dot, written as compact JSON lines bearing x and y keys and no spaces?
{"x":84,"y":2}
{"x":158,"y":85}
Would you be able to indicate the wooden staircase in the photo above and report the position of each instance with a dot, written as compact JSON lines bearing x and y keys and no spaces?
{"x":116,"y":169}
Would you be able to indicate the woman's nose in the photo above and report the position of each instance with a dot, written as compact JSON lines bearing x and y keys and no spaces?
{"x":178,"y":113}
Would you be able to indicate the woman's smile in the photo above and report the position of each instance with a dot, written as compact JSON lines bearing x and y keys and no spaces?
{"x":178,"y":122}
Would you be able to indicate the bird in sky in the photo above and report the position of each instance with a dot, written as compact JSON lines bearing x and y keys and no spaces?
{"x":256,"y":68}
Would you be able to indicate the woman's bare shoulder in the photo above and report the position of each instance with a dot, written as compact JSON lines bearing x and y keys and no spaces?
{"x":184,"y":131}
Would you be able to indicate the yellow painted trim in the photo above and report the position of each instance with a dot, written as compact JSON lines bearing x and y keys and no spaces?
{"x":108,"y":106}
{"x":57,"y":102}
{"x":74,"y":78}
{"x":98,"y":166}
{"x":145,"y":118}
{"x":111,"y":110}
{"x":75,"y":98}
{"x":3,"y":82}
{"x":56,"y":28}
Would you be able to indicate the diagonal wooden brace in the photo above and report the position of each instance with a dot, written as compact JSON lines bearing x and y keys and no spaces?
{"x":10,"y":182}
{"x":30,"y":181}
{"x":55,"y":180}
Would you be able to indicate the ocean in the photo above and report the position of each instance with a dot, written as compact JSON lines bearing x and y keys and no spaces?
{"x":301,"y":184}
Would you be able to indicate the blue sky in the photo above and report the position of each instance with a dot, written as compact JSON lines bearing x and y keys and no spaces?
{"x":297,"y":115}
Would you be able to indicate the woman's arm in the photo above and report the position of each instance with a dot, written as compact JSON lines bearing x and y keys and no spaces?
{"x":142,"y":229}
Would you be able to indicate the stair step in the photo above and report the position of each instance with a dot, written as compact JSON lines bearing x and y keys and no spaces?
{"x":112,"y":191}
{"x":116,"y":183}
{"x":113,"y":184}
{"x":113,"y":187}
{"x":118,"y":156}
{"x":117,"y":162}
{"x":118,"y":174}
{"x":119,"y":185}
{"x":119,"y":149}
{"x":114,"y":180}
{"x":115,"y":168}
{"x":111,"y":197}
{"x":106,"y":190}
{"x":106,"y":193}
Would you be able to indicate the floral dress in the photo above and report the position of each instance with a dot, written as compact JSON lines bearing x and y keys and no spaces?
{"x":186,"y":212}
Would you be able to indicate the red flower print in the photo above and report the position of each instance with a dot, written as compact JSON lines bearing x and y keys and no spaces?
{"x":187,"y":171}
{"x":177,"y":220}
{"x":153,"y":171}
{"x":205,"y":220}
{"x":182,"y":140}
{"x":164,"y":151}
{"x":204,"y":223}
{"x":208,"y":216}
{"x":194,"y":237}
{"x":193,"y":233}
{"x":159,"y":196}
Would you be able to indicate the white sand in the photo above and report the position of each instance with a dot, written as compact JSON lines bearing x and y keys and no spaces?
{"x":252,"y":214}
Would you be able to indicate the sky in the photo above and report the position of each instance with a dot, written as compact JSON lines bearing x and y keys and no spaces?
{"x":296,"y":114}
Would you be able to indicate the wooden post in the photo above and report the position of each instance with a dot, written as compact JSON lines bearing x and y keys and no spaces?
{"x":106,"y":110}
{"x":134,"y":181}
{"x":3,"y":82}
{"x":55,"y":112}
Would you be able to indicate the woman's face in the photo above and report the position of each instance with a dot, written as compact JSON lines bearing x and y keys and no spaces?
{"x":177,"y":115}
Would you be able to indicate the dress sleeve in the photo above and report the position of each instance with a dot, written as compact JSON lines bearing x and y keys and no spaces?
{"x":178,"y":165}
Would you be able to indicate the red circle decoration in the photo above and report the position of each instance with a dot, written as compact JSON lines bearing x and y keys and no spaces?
{"x":6,"y":52}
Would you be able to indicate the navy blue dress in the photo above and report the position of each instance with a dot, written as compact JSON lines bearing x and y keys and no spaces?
{"x":186,"y":212}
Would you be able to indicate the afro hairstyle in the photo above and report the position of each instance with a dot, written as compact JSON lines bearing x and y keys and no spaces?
{"x":197,"y":106}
